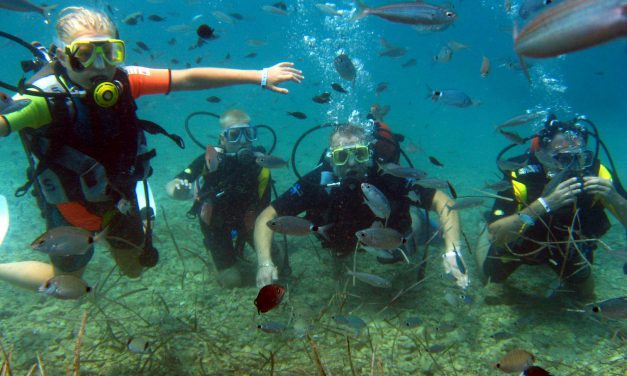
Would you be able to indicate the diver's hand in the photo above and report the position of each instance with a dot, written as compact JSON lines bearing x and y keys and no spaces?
{"x":595,"y":185}
{"x":180,"y":189}
{"x":266,"y":274}
{"x":280,"y":73}
{"x":564,"y":194}
{"x":454,"y":265}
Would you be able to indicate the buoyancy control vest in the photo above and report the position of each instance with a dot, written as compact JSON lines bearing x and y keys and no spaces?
{"x":88,"y":153}
{"x":592,"y":222}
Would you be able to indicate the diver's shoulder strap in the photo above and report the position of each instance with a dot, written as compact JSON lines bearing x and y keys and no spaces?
{"x":154,"y":128}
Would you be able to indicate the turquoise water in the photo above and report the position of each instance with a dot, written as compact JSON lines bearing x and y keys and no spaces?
{"x":196,"y":327}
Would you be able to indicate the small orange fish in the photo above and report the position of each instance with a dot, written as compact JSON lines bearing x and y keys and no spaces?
{"x":485,"y":67}
{"x":269,"y":297}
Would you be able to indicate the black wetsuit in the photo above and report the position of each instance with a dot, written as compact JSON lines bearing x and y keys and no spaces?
{"x":590,"y":222}
{"x":234,"y":192}
{"x":344,"y":208}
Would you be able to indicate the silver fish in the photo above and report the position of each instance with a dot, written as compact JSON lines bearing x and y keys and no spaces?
{"x":8,"y":104}
{"x":444,"y":55}
{"x":329,"y":9}
{"x":64,"y":241}
{"x":515,"y":361}
{"x":27,"y":7}
{"x":391,"y":50}
{"x":133,"y":18}
{"x":432,"y":183}
{"x":270,"y":161}
{"x":384,"y":238}
{"x":297,"y":226}
{"x":521,"y":119}
{"x":273,"y":9}
{"x":138,"y":345}
{"x":65,"y":286}
{"x":615,"y":309}
{"x":466,"y":203}
{"x":376,"y":201}
{"x":272,"y":327}
{"x":572,"y":25}
{"x":345,"y":67}
{"x":507,"y":165}
{"x":401,"y":171}
{"x":499,"y":186}
{"x":223,"y":17}
{"x":417,"y":13}
{"x":381,"y":253}
{"x":371,"y":279}
{"x":512,"y":136}
{"x":412,"y":322}
{"x":351,"y":321}
{"x":455,"y":98}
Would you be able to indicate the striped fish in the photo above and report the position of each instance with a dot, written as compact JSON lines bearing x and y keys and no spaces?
{"x":572,"y":25}
{"x":416,"y":13}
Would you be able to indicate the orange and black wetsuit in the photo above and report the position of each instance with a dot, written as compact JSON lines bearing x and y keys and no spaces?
{"x":89,"y":157}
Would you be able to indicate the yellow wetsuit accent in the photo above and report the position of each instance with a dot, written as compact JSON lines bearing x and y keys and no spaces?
{"x":520,"y":189}
{"x":35,"y":115}
{"x":264,"y":179}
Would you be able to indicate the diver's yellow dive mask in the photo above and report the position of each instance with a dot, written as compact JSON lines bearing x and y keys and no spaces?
{"x":340,"y":155}
{"x":83,"y":53}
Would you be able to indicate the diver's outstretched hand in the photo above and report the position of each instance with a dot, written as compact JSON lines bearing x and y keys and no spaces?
{"x":266,"y":274}
{"x":280,"y":73}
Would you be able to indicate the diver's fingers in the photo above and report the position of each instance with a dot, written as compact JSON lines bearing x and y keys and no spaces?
{"x":567,"y":183}
{"x":284,"y":64}
{"x":293,"y":71}
{"x":276,"y":89}
{"x":292,"y":77}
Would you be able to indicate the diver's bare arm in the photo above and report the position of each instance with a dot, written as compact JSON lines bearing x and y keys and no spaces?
{"x":263,"y":236}
{"x":507,"y":229}
{"x":4,"y":127}
{"x":207,"y":78}
{"x":619,"y":204}
{"x":449,"y":220}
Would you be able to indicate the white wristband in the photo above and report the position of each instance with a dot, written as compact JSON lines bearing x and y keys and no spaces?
{"x":546,"y":206}
{"x":264,"y":78}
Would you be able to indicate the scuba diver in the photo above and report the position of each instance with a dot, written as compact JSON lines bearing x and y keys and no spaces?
{"x":227,"y":197}
{"x":87,"y":148}
{"x":333,"y":203}
{"x":559,"y":191}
